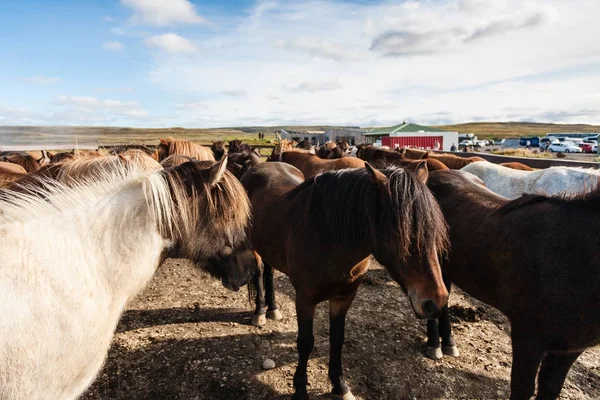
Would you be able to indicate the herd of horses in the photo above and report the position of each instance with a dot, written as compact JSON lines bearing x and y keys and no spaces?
{"x":83,"y":233}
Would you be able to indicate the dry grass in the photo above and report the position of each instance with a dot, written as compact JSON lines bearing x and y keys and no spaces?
{"x":522,"y":153}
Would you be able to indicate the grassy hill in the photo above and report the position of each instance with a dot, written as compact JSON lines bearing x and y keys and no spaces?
{"x":107,"y":136}
{"x":516,"y":129}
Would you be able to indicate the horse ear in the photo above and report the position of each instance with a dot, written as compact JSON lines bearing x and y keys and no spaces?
{"x":164,"y":141}
{"x":215,"y":173}
{"x":375,"y":175}
{"x":422,"y":171}
{"x":122,"y":158}
{"x":427,"y":154}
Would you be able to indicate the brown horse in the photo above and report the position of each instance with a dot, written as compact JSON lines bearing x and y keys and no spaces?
{"x":218,"y":149}
{"x":455,"y":162}
{"x":171,"y":146}
{"x":25,"y":160}
{"x":239,"y":163}
{"x":377,"y":156}
{"x":311,"y":165}
{"x":330,"y":153}
{"x":353,"y":214}
{"x":517,"y":165}
{"x":535,"y":260}
{"x":280,"y":147}
{"x":10,"y":172}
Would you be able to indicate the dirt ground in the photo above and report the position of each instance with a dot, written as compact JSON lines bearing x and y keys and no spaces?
{"x":186,"y":337}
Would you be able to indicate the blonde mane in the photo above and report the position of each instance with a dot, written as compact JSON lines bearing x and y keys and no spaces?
{"x":182,"y":148}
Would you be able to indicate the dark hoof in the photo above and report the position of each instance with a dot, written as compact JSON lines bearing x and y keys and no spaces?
{"x":275,"y":314}
{"x":450,"y":351}
{"x":435,"y":353}
{"x":259,"y":320}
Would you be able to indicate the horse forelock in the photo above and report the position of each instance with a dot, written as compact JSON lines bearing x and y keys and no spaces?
{"x":225,"y":206}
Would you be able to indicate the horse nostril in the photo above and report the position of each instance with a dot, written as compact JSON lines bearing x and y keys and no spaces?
{"x":429,"y":309}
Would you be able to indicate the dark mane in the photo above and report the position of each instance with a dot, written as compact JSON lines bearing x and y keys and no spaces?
{"x":350,"y":201}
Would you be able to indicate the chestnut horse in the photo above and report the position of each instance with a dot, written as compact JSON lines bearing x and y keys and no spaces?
{"x":311,"y":165}
{"x":172,"y":146}
{"x":25,"y":160}
{"x":354,"y":213}
{"x":375,"y":155}
{"x":533,"y":259}
{"x":450,"y":160}
{"x":517,"y":165}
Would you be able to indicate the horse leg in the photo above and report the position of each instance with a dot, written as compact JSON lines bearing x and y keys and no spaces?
{"x":448,"y":344}
{"x":305,"y":312}
{"x":338,"y":308}
{"x":553,"y":372}
{"x":433,"y":349}
{"x":272,"y":309}
{"x":526,"y":360}
{"x":259,"y":318}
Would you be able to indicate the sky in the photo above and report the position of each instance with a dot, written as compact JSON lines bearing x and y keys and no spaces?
{"x":182,"y":63}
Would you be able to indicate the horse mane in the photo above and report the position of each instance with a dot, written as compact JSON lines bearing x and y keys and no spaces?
{"x":187,"y":148}
{"x":350,"y":201}
{"x":171,"y":197}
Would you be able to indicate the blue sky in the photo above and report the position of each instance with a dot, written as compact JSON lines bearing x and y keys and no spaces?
{"x":152,"y":63}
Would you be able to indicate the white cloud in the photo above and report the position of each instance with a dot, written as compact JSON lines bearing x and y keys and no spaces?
{"x":89,"y":101}
{"x":43,"y":80}
{"x":113,"y":46}
{"x":171,"y":43}
{"x":314,"y":86}
{"x":320,"y":48}
{"x":163,"y":12}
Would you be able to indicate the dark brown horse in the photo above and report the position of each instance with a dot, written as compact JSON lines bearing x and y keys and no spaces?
{"x":238,"y":146}
{"x":535,"y":260}
{"x":218,"y":149}
{"x":311,"y":165}
{"x":377,"y":156}
{"x":239,"y":163}
{"x":353,"y":214}
{"x":517,"y":165}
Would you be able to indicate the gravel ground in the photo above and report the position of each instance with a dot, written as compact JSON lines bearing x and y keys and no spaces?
{"x":186,"y":337}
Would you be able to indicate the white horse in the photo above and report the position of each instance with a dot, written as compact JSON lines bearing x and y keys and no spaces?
{"x":552,"y":181}
{"x":73,"y":258}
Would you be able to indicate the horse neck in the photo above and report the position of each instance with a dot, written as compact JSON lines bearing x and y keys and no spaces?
{"x":113,"y":240}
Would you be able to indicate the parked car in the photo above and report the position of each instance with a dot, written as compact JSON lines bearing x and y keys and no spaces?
{"x":534,"y":141}
{"x":595,"y":148}
{"x":586,"y":147}
{"x":564,"y":147}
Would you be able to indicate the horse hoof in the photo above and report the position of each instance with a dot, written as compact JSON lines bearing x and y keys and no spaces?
{"x":259,"y":320}
{"x":435,"y":353}
{"x":275,"y":314}
{"x":450,"y":351}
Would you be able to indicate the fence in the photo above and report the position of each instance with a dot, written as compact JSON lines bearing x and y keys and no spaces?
{"x":539,"y":163}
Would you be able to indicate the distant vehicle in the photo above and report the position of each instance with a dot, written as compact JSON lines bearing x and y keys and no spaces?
{"x":564,"y":147}
{"x":533,"y":141}
{"x":591,"y":137}
{"x":595,"y":148}
{"x":510,"y":143}
{"x":569,"y":134}
{"x":586,"y":147}
{"x":465,"y":143}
